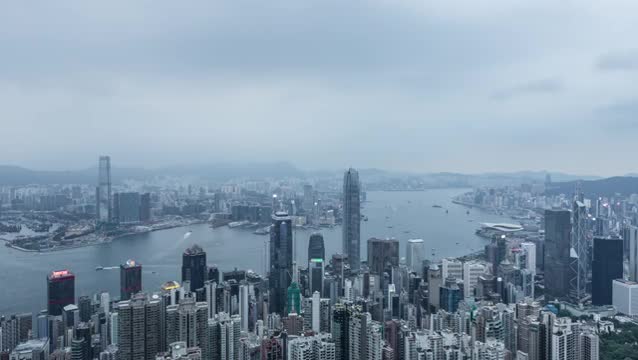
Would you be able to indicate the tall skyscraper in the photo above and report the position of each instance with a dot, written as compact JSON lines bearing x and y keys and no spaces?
{"x":188,"y":322}
{"x":451,"y":268}
{"x":352,"y":218}
{"x":145,"y":207}
{"x":244,"y":301}
{"x":317,"y":347}
{"x":607,"y":266}
{"x":564,"y":341}
{"x":341,"y":318}
{"x":223,"y":337}
{"x":79,"y":349}
{"x":557,"y":252}
{"x":213,"y":273}
{"x":589,"y":346}
{"x":316,"y":249}
{"x":450,"y":295}
{"x":210,"y":287}
{"x":71,"y":316}
{"x":359,"y":324}
{"x":103,"y":193}
{"x":130,"y":279}
{"x":293,"y":304}
{"x":127,"y":207}
{"x":139,"y":327}
{"x":529,"y":249}
{"x":316,"y":260}
{"x":631,"y":233}
{"x":60,"y":291}
{"x":383,"y":255}
{"x":415,"y":254}
{"x":579,"y":262}
{"x":308,"y":198}
{"x":471,"y":273}
{"x":366,"y":337}
{"x":114,"y":325}
{"x":84,"y":304}
{"x":280,"y":275}
{"x":194,"y":268}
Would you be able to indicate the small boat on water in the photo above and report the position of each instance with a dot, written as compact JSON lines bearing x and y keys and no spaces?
{"x":98,"y":268}
{"x":437,"y":206}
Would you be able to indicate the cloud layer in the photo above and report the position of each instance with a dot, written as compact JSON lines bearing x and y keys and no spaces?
{"x":409,"y":85}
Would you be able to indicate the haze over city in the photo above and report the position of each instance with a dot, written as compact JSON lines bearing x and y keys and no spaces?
{"x":400,"y":85}
{"x":319,"y":180}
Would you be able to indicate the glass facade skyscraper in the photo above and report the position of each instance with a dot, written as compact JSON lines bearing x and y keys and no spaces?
{"x":351,"y":228}
{"x":130,"y":279}
{"x":415,"y":254}
{"x":280,"y":276}
{"x":607,"y":266}
{"x":103,"y":193}
{"x":383,"y":255}
{"x":194,"y":267}
{"x":316,"y":249}
{"x":60,"y":291}
{"x":557,"y":255}
{"x":316,"y":260}
{"x":127,"y":208}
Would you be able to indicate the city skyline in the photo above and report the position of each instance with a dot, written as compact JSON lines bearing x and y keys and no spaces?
{"x":491,"y":298}
{"x":378,"y":180}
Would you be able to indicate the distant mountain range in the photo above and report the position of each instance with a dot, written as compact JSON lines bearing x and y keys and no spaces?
{"x":15,"y":175}
{"x":624,"y":185}
{"x":220,"y":172}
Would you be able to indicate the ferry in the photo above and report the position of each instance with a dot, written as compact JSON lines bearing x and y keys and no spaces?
{"x":262,"y":231}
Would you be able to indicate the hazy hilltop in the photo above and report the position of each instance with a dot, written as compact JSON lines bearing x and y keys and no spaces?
{"x":372,"y":178}
{"x":624,"y":185}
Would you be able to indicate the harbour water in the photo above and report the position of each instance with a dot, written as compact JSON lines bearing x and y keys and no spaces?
{"x":402,"y":215}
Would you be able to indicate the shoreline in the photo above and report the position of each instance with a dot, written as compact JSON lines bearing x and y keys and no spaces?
{"x":102,"y":242}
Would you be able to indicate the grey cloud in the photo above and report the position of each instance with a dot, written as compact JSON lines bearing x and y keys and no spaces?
{"x":618,"y":118}
{"x":544,"y":86}
{"x":157,"y":82}
{"x":618,"y":61}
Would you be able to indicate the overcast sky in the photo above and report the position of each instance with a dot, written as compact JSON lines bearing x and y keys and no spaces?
{"x":419,"y":85}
